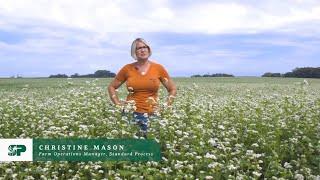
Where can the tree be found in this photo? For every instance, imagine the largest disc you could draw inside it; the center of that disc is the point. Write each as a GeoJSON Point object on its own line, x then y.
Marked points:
{"type": "Point", "coordinates": [104, 73]}
{"type": "Point", "coordinates": [75, 75]}
{"type": "Point", "coordinates": [197, 75]}
{"type": "Point", "coordinates": [58, 76]}
{"type": "Point", "coordinates": [269, 74]}
{"type": "Point", "coordinates": [97, 74]}
{"type": "Point", "coordinates": [214, 75]}
{"type": "Point", "coordinates": [305, 72]}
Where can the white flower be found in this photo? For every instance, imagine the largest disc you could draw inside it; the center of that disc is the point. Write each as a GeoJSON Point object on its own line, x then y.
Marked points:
{"type": "Point", "coordinates": [299, 177]}
{"type": "Point", "coordinates": [82, 126]}
{"type": "Point", "coordinates": [221, 127]}
{"type": "Point", "coordinates": [9, 171]}
{"type": "Point", "coordinates": [178, 166]}
{"type": "Point", "coordinates": [256, 173]}
{"type": "Point", "coordinates": [249, 152]}
{"type": "Point", "coordinates": [200, 126]}
{"type": "Point", "coordinates": [213, 165]}
{"type": "Point", "coordinates": [198, 157]}
{"type": "Point", "coordinates": [212, 142]}
{"type": "Point", "coordinates": [255, 145]}
{"type": "Point", "coordinates": [168, 146]}
{"type": "Point", "coordinates": [232, 167]}
{"type": "Point", "coordinates": [287, 165]}
{"type": "Point", "coordinates": [30, 177]}
{"type": "Point", "coordinates": [179, 133]}
{"type": "Point", "coordinates": [190, 166]}
{"type": "Point", "coordinates": [195, 85]}
{"type": "Point", "coordinates": [166, 170]}
{"type": "Point", "coordinates": [149, 163]}
{"type": "Point", "coordinates": [257, 155]}
{"type": "Point", "coordinates": [210, 156]}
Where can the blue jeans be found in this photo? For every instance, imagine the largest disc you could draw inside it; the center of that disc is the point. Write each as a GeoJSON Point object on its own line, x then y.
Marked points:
{"type": "Point", "coordinates": [141, 119]}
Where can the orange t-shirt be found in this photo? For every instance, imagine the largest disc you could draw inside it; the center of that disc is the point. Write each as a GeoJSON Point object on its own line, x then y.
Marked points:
{"type": "Point", "coordinates": [143, 89]}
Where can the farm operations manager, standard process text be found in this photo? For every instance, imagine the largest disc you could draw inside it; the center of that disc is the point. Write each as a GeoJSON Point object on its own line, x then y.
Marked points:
{"type": "Point", "coordinates": [142, 79]}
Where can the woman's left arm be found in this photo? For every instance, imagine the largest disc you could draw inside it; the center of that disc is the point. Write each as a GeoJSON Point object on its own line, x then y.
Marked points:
{"type": "Point", "coordinates": [171, 88]}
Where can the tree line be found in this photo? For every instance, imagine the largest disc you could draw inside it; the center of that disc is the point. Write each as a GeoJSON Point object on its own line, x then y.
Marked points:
{"type": "Point", "coordinates": [97, 74]}
{"type": "Point", "coordinates": [304, 72]}
{"type": "Point", "coordinates": [214, 75]}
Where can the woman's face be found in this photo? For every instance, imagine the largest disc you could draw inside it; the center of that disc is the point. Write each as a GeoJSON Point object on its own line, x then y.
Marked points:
{"type": "Point", "coordinates": [142, 51]}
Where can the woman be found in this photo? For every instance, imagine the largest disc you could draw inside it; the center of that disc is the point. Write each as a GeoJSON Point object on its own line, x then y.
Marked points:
{"type": "Point", "coordinates": [143, 79]}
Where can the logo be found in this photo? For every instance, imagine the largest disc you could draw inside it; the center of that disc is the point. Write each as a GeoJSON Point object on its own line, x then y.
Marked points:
{"type": "Point", "coordinates": [16, 150]}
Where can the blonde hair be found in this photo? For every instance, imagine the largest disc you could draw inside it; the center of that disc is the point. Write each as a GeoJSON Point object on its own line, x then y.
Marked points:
{"type": "Point", "coordinates": [134, 46]}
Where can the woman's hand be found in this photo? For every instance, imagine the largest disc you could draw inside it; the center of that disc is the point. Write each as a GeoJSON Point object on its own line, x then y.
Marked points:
{"type": "Point", "coordinates": [115, 84]}
{"type": "Point", "coordinates": [171, 88]}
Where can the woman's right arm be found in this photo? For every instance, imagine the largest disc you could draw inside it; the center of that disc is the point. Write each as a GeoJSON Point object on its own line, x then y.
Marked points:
{"type": "Point", "coordinates": [115, 84]}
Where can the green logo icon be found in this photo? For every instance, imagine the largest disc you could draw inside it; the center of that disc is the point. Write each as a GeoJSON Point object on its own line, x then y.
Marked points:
{"type": "Point", "coordinates": [16, 150]}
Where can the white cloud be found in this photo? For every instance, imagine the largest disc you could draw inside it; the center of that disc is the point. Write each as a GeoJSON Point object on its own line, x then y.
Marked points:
{"type": "Point", "coordinates": [154, 16]}
{"type": "Point", "coordinates": [163, 13]}
{"type": "Point", "coordinates": [98, 33]}
{"type": "Point", "coordinates": [211, 17]}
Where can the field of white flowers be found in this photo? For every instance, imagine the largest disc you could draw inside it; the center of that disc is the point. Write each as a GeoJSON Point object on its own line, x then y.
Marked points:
{"type": "Point", "coordinates": [218, 128]}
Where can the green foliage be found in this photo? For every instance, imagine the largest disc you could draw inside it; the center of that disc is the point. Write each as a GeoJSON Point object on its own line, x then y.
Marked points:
{"type": "Point", "coordinates": [269, 74]}
{"type": "Point", "coordinates": [214, 75]}
{"type": "Point", "coordinates": [97, 74]}
{"type": "Point", "coordinates": [304, 72]}
{"type": "Point", "coordinates": [218, 128]}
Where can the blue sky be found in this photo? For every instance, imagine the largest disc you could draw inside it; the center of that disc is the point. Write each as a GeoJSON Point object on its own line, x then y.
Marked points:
{"type": "Point", "coordinates": [244, 38]}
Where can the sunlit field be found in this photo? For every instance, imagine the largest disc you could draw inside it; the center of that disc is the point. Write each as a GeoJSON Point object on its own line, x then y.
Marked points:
{"type": "Point", "coordinates": [218, 128]}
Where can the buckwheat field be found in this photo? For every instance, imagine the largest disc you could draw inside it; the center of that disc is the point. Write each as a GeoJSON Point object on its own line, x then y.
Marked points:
{"type": "Point", "coordinates": [218, 128]}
